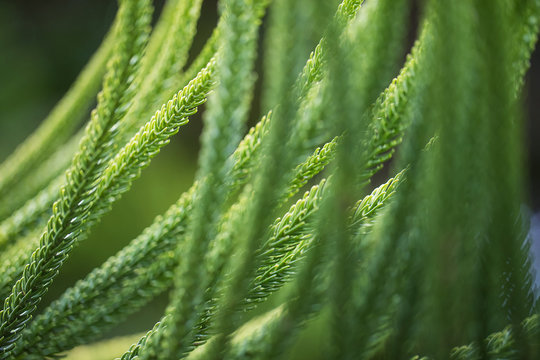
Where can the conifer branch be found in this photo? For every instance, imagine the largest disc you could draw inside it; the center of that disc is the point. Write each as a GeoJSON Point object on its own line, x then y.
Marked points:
{"type": "Point", "coordinates": [66, 224]}
{"type": "Point", "coordinates": [155, 241]}
{"type": "Point", "coordinates": [126, 166]}
{"type": "Point", "coordinates": [292, 235]}
{"type": "Point", "coordinates": [267, 185]}
{"type": "Point", "coordinates": [138, 273]}
{"type": "Point", "coordinates": [164, 65]}
{"type": "Point", "coordinates": [227, 113]}
{"type": "Point", "coordinates": [290, 240]}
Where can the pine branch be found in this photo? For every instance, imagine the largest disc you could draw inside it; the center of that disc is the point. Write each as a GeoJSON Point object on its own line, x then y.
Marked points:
{"type": "Point", "coordinates": [261, 128]}
{"type": "Point", "coordinates": [215, 256]}
{"type": "Point", "coordinates": [388, 124]}
{"type": "Point", "coordinates": [168, 64]}
{"type": "Point", "coordinates": [66, 224]}
{"type": "Point", "coordinates": [313, 70]}
{"type": "Point", "coordinates": [158, 37]}
{"type": "Point", "coordinates": [291, 239]}
{"type": "Point", "coordinates": [209, 49]}
{"type": "Point", "coordinates": [394, 96]}
{"type": "Point", "coordinates": [244, 156]}
{"type": "Point", "coordinates": [222, 247]}
{"type": "Point", "coordinates": [274, 175]}
{"type": "Point", "coordinates": [120, 286]}
{"type": "Point", "coordinates": [128, 163]}
{"type": "Point", "coordinates": [383, 130]}
{"type": "Point", "coordinates": [270, 181]}
{"type": "Point", "coordinates": [123, 283]}
{"type": "Point", "coordinates": [370, 51]}
{"type": "Point", "coordinates": [153, 243]}
{"type": "Point", "coordinates": [293, 236]}
{"type": "Point", "coordinates": [408, 226]}
{"type": "Point", "coordinates": [165, 62]}
{"type": "Point", "coordinates": [227, 113]}
{"type": "Point", "coordinates": [313, 165]}
{"type": "Point", "coordinates": [386, 116]}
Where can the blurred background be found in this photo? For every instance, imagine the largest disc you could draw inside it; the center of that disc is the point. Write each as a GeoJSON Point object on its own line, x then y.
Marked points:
{"type": "Point", "coordinates": [44, 45]}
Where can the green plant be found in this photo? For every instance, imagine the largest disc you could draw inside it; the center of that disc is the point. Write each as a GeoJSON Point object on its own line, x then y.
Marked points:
{"type": "Point", "coordinates": [434, 262]}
